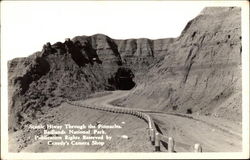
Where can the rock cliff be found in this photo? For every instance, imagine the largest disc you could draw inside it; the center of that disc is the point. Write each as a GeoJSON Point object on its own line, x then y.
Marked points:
{"type": "Point", "coordinates": [201, 70]}
{"type": "Point", "coordinates": [74, 69]}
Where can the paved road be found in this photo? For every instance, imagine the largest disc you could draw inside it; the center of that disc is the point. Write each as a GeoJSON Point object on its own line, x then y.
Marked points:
{"type": "Point", "coordinates": [213, 134]}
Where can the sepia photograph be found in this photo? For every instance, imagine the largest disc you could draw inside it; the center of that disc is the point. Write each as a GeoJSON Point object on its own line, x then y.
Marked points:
{"type": "Point", "coordinates": [104, 78]}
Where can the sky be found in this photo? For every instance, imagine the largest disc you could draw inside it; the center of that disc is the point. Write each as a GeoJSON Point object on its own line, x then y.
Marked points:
{"type": "Point", "coordinates": [26, 26]}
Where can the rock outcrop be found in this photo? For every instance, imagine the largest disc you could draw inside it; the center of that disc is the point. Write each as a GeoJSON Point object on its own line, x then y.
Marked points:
{"type": "Point", "coordinates": [201, 70]}
{"type": "Point", "coordinates": [73, 69]}
{"type": "Point", "coordinates": [198, 72]}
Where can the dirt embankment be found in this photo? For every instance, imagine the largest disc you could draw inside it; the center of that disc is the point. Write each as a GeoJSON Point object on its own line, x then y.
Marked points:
{"type": "Point", "coordinates": [201, 71]}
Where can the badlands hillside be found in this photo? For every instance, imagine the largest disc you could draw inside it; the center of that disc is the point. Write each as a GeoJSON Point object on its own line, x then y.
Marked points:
{"type": "Point", "coordinates": [201, 70]}
{"type": "Point", "coordinates": [198, 72]}
{"type": "Point", "coordinates": [75, 69]}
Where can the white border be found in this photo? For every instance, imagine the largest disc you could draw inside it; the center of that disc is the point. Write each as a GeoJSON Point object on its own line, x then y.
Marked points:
{"type": "Point", "coordinates": [232, 155]}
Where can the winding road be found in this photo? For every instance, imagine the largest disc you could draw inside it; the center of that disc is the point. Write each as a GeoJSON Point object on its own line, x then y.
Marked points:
{"type": "Point", "coordinates": [213, 134]}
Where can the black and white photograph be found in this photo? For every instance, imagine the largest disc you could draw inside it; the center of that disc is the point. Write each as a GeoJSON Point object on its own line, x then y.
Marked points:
{"type": "Point", "coordinates": [98, 78]}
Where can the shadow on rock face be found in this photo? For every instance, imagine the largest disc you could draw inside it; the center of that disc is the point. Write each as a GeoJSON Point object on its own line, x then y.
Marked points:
{"type": "Point", "coordinates": [126, 83]}
{"type": "Point", "coordinates": [123, 79]}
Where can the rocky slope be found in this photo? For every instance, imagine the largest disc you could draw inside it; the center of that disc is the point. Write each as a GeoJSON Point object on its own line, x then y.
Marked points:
{"type": "Point", "coordinates": [74, 69]}
{"type": "Point", "coordinates": [201, 70]}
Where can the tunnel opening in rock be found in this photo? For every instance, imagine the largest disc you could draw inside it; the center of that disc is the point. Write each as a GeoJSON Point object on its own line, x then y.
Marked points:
{"type": "Point", "coordinates": [122, 79]}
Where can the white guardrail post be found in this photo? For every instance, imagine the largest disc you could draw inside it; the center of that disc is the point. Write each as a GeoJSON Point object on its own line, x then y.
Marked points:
{"type": "Point", "coordinates": [152, 136]}
{"type": "Point", "coordinates": [197, 148]}
{"type": "Point", "coordinates": [157, 142]}
{"type": "Point", "coordinates": [170, 144]}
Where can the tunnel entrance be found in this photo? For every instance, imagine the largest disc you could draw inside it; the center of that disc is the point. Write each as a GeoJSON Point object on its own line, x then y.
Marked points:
{"type": "Point", "coordinates": [123, 79]}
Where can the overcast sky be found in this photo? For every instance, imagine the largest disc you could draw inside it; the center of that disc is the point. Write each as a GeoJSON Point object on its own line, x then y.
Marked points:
{"type": "Point", "coordinates": [26, 26]}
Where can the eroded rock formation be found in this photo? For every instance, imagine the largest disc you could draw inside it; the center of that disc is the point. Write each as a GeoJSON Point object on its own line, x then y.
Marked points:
{"type": "Point", "coordinates": [201, 70]}
{"type": "Point", "coordinates": [74, 69]}
{"type": "Point", "coordinates": [198, 72]}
